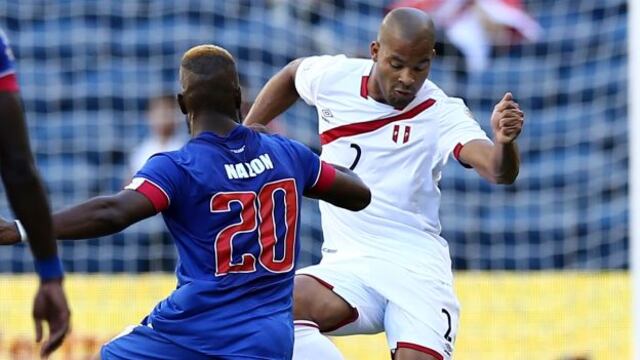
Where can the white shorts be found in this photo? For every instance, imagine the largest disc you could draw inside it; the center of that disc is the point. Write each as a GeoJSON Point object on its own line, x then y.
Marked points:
{"type": "Point", "coordinates": [415, 310]}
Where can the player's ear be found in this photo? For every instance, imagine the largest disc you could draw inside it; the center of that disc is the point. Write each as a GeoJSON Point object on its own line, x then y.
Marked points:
{"type": "Point", "coordinates": [183, 107]}
{"type": "Point", "coordinates": [374, 48]}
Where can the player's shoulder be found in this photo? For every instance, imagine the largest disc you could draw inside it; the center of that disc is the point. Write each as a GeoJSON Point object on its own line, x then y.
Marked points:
{"type": "Point", "coordinates": [6, 57]}
{"type": "Point", "coordinates": [278, 141]}
{"type": "Point", "coordinates": [335, 65]}
{"type": "Point", "coordinates": [443, 101]}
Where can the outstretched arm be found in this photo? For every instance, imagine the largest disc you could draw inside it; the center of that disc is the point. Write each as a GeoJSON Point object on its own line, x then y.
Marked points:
{"type": "Point", "coordinates": [498, 162]}
{"type": "Point", "coordinates": [103, 215]}
{"type": "Point", "coordinates": [276, 96]}
{"type": "Point", "coordinates": [96, 217]}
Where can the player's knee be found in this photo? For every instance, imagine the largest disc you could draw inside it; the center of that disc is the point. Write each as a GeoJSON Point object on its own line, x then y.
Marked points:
{"type": "Point", "coordinates": [314, 302]}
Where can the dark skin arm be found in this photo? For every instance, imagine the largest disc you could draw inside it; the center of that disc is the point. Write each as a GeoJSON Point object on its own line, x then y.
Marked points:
{"type": "Point", "coordinates": [102, 215]}
{"type": "Point", "coordinates": [347, 191]}
{"type": "Point", "coordinates": [276, 96]}
{"type": "Point", "coordinates": [24, 188]}
{"type": "Point", "coordinates": [499, 163]}
{"type": "Point", "coordinates": [99, 216]}
{"type": "Point", "coordinates": [28, 200]}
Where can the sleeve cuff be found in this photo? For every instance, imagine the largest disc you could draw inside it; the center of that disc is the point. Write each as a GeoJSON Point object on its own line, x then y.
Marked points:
{"type": "Point", "coordinates": [9, 82]}
{"type": "Point", "coordinates": [152, 191]}
{"type": "Point", "coordinates": [326, 176]}
{"type": "Point", "coordinates": [456, 154]}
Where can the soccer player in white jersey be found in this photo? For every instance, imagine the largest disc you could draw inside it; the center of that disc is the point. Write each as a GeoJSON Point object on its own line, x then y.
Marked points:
{"type": "Point", "coordinates": [386, 268]}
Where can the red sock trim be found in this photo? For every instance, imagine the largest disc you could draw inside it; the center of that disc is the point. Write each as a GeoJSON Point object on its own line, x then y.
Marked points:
{"type": "Point", "coordinates": [305, 323]}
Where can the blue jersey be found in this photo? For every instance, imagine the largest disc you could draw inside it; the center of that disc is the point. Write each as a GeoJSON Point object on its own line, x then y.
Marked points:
{"type": "Point", "coordinates": [7, 70]}
{"type": "Point", "coordinates": [232, 204]}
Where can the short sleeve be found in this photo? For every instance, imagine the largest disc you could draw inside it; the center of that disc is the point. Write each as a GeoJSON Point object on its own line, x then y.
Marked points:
{"type": "Point", "coordinates": [159, 181]}
{"type": "Point", "coordinates": [457, 127]}
{"type": "Point", "coordinates": [309, 75]}
{"type": "Point", "coordinates": [318, 175]}
{"type": "Point", "coordinates": [8, 81]}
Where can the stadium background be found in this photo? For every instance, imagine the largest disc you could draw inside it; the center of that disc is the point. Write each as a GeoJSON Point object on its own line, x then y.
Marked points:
{"type": "Point", "coordinates": [542, 266]}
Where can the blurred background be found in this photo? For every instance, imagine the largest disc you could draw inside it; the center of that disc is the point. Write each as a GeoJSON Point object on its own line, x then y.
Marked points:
{"type": "Point", "coordinates": [541, 266]}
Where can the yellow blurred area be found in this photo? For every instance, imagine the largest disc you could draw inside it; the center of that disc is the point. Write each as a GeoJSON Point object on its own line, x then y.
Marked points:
{"type": "Point", "coordinates": [541, 315]}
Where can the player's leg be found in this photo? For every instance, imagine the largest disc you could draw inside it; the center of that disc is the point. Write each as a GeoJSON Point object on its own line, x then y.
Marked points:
{"type": "Point", "coordinates": [315, 301]}
{"type": "Point", "coordinates": [332, 298]}
{"type": "Point", "coordinates": [142, 342]}
{"type": "Point", "coordinates": [423, 328]}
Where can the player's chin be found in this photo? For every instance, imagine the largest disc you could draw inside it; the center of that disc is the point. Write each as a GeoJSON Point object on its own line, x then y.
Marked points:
{"type": "Point", "coordinates": [400, 103]}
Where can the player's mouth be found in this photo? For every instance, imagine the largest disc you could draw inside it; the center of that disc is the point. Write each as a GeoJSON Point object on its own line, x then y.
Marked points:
{"type": "Point", "coordinates": [403, 93]}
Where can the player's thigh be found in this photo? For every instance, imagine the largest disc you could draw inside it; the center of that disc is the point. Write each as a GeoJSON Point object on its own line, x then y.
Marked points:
{"type": "Point", "coordinates": [419, 327]}
{"type": "Point", "coordinates": [335, 296]}
{"type": "Point", "coordinates": [142, 342]}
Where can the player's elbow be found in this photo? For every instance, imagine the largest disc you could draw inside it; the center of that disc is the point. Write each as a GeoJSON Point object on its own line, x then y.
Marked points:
{"type": "Point", "coordinates": [361, 199]}
{"type": "Point", "coordinates": [507, 179]}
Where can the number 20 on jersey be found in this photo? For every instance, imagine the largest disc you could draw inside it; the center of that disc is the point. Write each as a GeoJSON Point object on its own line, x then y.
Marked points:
{"type": "Point", "coordinates": [258, 211]}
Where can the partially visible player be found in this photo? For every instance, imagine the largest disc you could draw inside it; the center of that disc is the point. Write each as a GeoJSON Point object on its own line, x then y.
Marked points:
{"type": "Point", "coordinates": [29, 202]}
{"type": "Point", "coordinates": [231, 200]}
{"type": "Point", "coordinates": [387, 268]}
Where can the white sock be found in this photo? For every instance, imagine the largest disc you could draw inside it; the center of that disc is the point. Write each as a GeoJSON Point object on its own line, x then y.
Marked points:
{"type": "Point", "coordinates": [310, 344]}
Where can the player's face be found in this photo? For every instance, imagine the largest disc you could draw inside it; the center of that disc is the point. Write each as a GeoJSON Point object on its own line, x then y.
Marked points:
{"type": "Point", "coordinates": [401, 69]}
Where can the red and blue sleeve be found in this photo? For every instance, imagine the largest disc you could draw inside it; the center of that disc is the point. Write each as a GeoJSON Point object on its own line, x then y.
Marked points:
{"type": "Point", "coordinates": [8, 80]}
{"type": "Point", "coordinates": [318, 175]}
{"type": "Point", "coordinates": [158, 181]}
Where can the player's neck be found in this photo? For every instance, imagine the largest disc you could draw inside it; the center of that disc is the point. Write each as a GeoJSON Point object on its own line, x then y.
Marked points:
{"type": "Point", "coordinates": [372, 87]}
{"type": "Point", "coordinates": [213, 121]}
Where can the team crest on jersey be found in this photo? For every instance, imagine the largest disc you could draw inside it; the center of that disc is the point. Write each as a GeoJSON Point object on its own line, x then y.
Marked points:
{"type": "Point", "coordinates": [401, 134]}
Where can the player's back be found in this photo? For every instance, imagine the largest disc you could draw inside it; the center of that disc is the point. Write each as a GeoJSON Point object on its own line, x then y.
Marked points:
{"type": "Point", "coordinates": [232, 206]}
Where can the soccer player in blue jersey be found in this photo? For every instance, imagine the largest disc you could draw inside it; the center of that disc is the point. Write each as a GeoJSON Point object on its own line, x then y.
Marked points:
{"type": "Point", "coordinates": [231, 200]}
{"type": "Point", "coordinates": [29, 202]}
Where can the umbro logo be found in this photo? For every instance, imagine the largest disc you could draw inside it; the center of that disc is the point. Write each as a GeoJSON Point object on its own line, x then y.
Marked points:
{"type": "Point", "coordinates": [326, 113]}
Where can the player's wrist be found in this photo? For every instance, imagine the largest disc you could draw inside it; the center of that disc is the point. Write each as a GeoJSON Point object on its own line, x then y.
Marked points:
{"type": "Point", "coordinates": [49, 269]}
{"type": "Point", "coordinates": [22, 233]}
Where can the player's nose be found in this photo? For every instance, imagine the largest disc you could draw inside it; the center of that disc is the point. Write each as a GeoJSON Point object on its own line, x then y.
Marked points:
{"type": "Point", "coordinates": [406, 78]}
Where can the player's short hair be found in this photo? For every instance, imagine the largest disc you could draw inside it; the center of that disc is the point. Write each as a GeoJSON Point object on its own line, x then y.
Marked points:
{"type": "Point", "coordinates": [209, 78]}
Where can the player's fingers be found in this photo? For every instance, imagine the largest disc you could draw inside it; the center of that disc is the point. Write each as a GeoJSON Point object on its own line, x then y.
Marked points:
{"type": "Point", "coordinates": [58, 332]}
{"type": "Point", "coordinates": [503, 106]}
{"type": "Point", "coordinates": [38, 323]}
{"type": "Point", "coordinates": [511, 121]}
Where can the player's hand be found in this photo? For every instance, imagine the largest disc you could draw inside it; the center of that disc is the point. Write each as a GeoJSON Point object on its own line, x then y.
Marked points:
{"type": "Point", "coordinates": [50, 306]}
{"type": "Point", "coordinates": [9, 234]}
{"type": "Point", "coordinates": [507, 120]}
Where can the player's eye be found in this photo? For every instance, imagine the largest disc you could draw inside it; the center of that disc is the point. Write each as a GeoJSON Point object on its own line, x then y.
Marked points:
{"type": "Point", "coordinates": [395, 65]}
{"type": "Point", "coordinates": [422, 67]}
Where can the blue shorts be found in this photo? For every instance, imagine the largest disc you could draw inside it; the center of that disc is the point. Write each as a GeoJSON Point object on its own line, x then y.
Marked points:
{"type": "Point", "coordinates": [142, 342]}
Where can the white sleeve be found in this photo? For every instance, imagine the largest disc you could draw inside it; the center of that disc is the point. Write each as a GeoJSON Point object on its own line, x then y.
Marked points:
{"type": "Point", "coordinates": [457, 127]}
{"type": "Point", "coordinates": [310, 73]}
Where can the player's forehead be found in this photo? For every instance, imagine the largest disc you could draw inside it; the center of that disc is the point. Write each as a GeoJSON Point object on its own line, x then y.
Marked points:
{"type": "Point", "coordinates": [418, 49]}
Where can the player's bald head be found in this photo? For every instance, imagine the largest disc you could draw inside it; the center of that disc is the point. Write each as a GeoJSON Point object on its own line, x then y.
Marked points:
{"type": "Point", "coordinates": [403, 54]}
{"type": "Point", "coordinates": [408, 24]}
{"type": "Point", "coordinates": [209, 79]}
